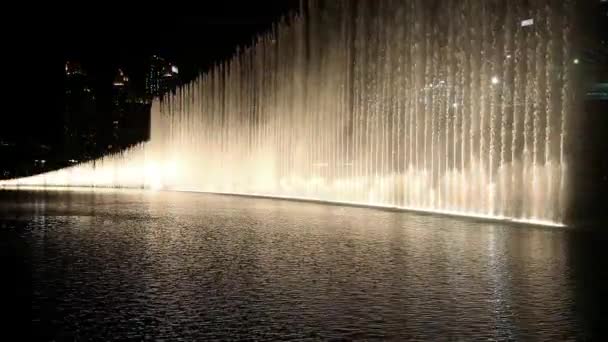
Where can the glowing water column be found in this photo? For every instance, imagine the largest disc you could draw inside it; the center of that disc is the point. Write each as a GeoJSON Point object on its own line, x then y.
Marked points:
{"type": "Point", "coordinates": [462, 108]}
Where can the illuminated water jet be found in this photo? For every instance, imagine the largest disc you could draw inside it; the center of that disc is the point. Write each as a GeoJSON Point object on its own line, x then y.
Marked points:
{"type": "Point", "coordinates": [456, 109]}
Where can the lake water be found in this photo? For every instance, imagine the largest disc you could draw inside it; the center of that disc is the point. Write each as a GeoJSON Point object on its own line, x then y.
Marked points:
{"type": "Point", "coordinates": [116, 265]}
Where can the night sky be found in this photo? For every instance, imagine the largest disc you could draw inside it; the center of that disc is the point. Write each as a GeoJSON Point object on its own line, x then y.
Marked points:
{"type": "Point", "coordinates": [37, 44]}
{"type": "Point", "coordinates": [103, 39]}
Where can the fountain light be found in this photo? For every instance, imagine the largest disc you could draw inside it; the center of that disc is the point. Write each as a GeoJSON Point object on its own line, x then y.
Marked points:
{"type": "Point", "coordinates": [273, 121]}
{"type": "Point", "coordinates": [527, 22]}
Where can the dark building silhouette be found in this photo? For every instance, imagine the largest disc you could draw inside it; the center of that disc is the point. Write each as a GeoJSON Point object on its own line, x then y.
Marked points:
{"type": "Point", "coordinates": [590, 163]}
{"type": "Point", "coordinates": [79, 115]}
{"type": "Point", "coordinates": [129, 119]}
{"type": "Point", "coordinates": [120, 107]}
{"type": "Point", "coordinates": [162, 76]}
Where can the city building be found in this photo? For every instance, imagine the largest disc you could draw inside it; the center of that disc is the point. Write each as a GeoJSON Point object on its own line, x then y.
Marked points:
{"type": "Point", "coordinates": [74, 69]}
{"type": "Point", "coordinates": [120, 106]}
{"type": "Point", "coordinates": [79, 114]}
{"type": "Point", "coordinates": [127, 123]}
{"type": "Point", "coordinates": [162, 76]}
{"type": "Point", "coordinates": [120, 88]}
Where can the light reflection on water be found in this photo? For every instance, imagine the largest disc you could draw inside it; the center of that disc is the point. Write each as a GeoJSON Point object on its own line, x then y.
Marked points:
{"type": "Point", "coordinates": [130, 264]}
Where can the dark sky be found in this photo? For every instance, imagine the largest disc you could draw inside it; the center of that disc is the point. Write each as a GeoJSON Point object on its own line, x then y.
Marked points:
{"type": "Point", "coordinates": [103, 39]}
{"type": "Point", "coordinates": [36, 44]}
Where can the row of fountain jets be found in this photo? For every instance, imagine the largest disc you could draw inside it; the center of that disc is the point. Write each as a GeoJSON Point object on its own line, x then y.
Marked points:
{"type": "Point", "coordinates": [460, 108]}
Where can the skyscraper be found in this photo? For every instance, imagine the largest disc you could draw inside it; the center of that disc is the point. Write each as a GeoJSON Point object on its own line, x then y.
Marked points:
{"type": "Point", "coordinates": [79, 113]}
{"type": "Point", "coordinates": [162, 76]}
{"type": "Point", "coordinates": [129, 114]}
{"type": "Point", "coordinates": [120, 108]}
{"type": "Point", "coordinates": [120, 88]}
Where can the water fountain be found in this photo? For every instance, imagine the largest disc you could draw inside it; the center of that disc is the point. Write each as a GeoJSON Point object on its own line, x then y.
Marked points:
{"type": "Point", "coordinates": [460, 107]}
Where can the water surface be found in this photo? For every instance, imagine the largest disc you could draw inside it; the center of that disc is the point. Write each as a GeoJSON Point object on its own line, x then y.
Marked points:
{"type": "Point", "coordinates": [113, 265]}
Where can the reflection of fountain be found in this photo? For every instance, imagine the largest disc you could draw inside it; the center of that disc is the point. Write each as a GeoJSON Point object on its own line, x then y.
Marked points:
{"type": "Point", "coordinates": [458, 109]}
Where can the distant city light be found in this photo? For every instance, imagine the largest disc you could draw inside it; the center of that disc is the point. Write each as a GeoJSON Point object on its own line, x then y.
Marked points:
{"type": "Point", "coordinates": [455, 105]}
{"type": "Point", "coordinates": [576, 61]}
{"type": "Point", "coordinates": [174, 69]}
{"type": "Point", "coordinates": [495, 80]}
{"type": "Point", "coordinates": [527, 22]}
{"type": "Point", "coordinates": [509, 56]}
